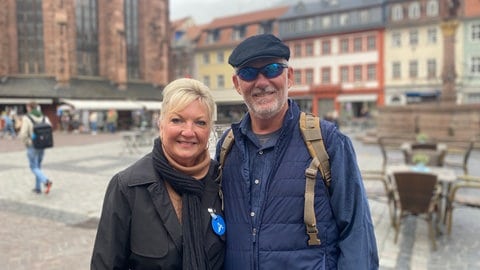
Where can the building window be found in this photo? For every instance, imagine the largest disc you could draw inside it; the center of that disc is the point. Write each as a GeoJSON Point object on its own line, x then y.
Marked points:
{"type": "Point", "coordinates": [413, 37]}
{"type": "Point", "coordinates": [206, 58]}
{"type": "Point", "coordinates": [344, 74]}
{"type": "Point", "coordinates": [213, 36]}
{"type": "Point", "coordinates": [30, 37]}
{"type": "Point", "coordinates": [297, 48]}
{"type": "Point", "coordinates": [326, 21]}
{"type": "Point", "coordinates": [220, 81]}
{"type": "Point", "coordinates": [297, 75]}
{"type": "Point", "coordinates": [414, 10]}
{"type": "Point", "coordinates": [432, 8]}
{"type": "Point", "coordinates": [220, 57]}
{"type": "Point", "coordinates": [326, 75]}
{"type": "Point", "coordinates": [396, 70]}
{"type": "Point", "coordinates": [308, 22]}
{"type": "Point", "coordinates": [326, 47]}
{"type": "Point", "coordinates": [396, 39]}
{"type": "Point", "coordinates": [475, 32]}
{"type": "Point", "coordinates": [344, 45]}
{"type": "Point", "coordinates": [475, 65]}
{"type": "Point", "coordinates": [413, 69]}
{"type": "Point", "coordinates": [206, 80]}
{"type": "Point", "coordinates": [432, 35]}
{"type": "Point", "coordinates": [87, 38]}
{"type": "Point", "coordinates": [344, 19]}
{"type": "Point", "coordinates": [265, 28]}
{"type": "Point", "coordinates": [371, 43]}
{"type": "Point", "coordinates": [131, 36]}
{"type": "Point", "coordinates": [431, 68]}
{"type": "Point", "coordinates": [357, 73]}
{"type": "Point", "coordinates": [371, 72]}
{"type": "Point", "coordinates": [309, 76]}
{"type": "Point", "coordinates": [364, 16]}
{"type": "Point", "coordinates": [309, 49]}
{"type": "Point", "coordinates": [239, 32]}
{"type": "Point", "coordinates": [397, 12]}
{"type": "Point", "coordinates": [357, 44]}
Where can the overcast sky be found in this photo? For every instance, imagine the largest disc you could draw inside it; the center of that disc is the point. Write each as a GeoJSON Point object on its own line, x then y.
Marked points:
{"type": "Point", "coordinates": [204, 11]}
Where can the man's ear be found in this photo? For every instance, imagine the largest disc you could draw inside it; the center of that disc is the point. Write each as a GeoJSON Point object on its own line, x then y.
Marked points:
{"type": "Point", "coordinates": [235, 83]}
{"type": "Point", "coordinates": [290, 78]}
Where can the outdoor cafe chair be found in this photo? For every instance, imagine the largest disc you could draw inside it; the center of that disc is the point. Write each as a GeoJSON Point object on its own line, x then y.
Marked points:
{"type": "Point", "coordinates": [391, 154]}
{"type": "Point", "coordinates": [460, 156]}
{"type": "Point", "coordinates": [418, 194]}
{"type": "Point", "coordinates": [432, 150]}
{"type": "Point", "coordinates": [464, 192]}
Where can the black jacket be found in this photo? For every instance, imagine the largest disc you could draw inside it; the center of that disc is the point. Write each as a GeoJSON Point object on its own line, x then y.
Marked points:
{"type": "Point", "coordinates": [138, 227]}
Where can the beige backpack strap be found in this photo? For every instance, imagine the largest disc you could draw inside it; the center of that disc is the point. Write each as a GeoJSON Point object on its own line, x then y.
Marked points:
{"type": "Point", "coordinates": [312, 135]}
{"type": "Point", "coordinates": [225, 148]}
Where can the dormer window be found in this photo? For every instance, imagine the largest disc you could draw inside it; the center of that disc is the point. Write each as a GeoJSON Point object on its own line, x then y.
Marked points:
{"type": "Point", "coordinates": [414, 10]}
{"type": "Point", "coordinates": [397, 13]}
{"type": "Point", "coordinates": [432, 8]}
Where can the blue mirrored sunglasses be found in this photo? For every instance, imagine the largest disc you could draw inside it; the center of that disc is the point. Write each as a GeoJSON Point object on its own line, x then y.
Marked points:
{"type": "Point", "coordinates": [270, 71]}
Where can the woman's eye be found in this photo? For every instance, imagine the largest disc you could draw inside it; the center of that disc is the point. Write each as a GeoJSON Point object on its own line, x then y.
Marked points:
{"type": "Point", "coordinates": [176, 120]}
{"type": "Point", "coordinates": [201, 123]}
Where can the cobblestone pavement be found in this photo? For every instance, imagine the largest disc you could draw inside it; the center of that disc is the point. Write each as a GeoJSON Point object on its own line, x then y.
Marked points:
{"type": "Point", "coordinates": [57, 231]}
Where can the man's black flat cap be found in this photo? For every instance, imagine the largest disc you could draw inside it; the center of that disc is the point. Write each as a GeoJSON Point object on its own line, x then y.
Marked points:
{"type": "Point", "coordinates": [256, 47]}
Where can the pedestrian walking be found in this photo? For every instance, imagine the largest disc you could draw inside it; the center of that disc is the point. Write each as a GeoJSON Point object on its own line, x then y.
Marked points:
{"type": "Point", "coordinates": [8, 125]}
{"type": "Point", "coordinates": [35, 156]}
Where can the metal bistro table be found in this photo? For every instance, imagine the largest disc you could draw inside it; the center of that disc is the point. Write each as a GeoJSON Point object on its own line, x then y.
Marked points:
{"type": "Point", "coordinates": [446, 177]}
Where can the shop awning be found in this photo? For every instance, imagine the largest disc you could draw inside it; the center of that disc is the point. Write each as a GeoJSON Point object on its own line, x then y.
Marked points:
{"type": "Point", "coordinates": [423, 93]}
{"type": "Point", "coordinates": [151, 105]}
{"type": "Point", "coordinates": [227, 96]}
{"type": "Point", "coordinates": [126, 105]}
{"type": "Point", "coordinates": [25, 100]}
{"type": "Point", "coordinates": [357, 97]}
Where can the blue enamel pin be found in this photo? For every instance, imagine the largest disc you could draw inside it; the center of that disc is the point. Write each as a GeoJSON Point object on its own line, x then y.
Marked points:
{"type": "Point", "coordinates": [218, 224]}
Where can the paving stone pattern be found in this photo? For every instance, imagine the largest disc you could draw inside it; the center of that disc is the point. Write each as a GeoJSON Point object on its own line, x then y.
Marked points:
{"type": "Point", "coordinates": [57, 231]}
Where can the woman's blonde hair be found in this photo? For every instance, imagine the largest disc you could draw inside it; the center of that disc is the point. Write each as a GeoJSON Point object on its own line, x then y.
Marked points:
{"type": "Point", "coordinates": [178, 94]}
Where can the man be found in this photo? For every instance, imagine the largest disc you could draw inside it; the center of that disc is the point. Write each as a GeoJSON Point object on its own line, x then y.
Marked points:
{"type": "Point", "coordinates": [264, 177]}
{"type": "Point", "coordinates": [35, 156]}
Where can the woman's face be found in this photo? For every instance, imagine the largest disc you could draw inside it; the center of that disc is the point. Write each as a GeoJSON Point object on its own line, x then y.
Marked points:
{"type": "Point", "coordinates": [185, 134]}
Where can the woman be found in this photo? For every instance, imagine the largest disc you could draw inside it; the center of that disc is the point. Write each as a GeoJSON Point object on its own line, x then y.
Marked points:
{"type": "Point", "coordinates": [163, 212]}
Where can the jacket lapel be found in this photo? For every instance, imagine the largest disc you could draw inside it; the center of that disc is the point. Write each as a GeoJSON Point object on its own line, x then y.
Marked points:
{"type": "Point", "coordinates": [164, 208]}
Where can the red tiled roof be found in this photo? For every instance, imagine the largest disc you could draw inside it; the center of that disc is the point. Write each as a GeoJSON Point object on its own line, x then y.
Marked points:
{"type": "Point", "coordinates": [250, 17]}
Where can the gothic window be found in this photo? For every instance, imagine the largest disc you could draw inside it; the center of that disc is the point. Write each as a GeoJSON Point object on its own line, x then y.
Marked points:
{"type": "Point", "coordinates": [131, 36]}
{"type": "Point", "coordinates": [87, 37]}
{"type": "Point", "coordinates": [30, 37]}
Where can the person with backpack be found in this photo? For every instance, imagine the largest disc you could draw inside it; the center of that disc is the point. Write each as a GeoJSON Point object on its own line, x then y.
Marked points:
{"type": "Point", "coordinates": [36, 147]}
{"type": "Point", "coordinates": [285, 209]}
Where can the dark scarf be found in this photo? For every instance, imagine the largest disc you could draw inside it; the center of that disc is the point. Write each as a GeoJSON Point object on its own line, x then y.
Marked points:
{"type": "Point", "coordinates": [191, 190]}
